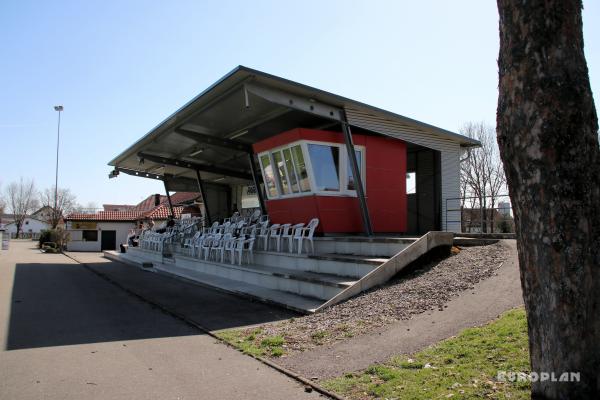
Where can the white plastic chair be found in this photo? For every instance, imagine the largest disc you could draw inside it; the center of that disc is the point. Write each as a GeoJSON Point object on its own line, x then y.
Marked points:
{"type": "Point", "coordinates": [197, 245]}
{"type": "Point", "coordinates": [236, 247]}
{"type": "Point", "coordinates": [239, 247]}
{"type": "Point", "coordinates": [255, 216]}
{"type": "Point", "coordinates": [207, 244]}
{"type": "Point", "coordinates": [248, 248]}
{"type": "Point", "coordinates": [275, 234]}
{"type": "Point", "coordinates": [238, 226]}
{"type": "Point", "coordinates": [218, 247]}
{"type": "Point", "coordinates": [251, 231]}
{"type": "Point", "coordinates": [188, 244]}
{"type": "Point", "coordinates": [214, 228]}
{"type": "Point", "coordinates": [307, 233]}
{"type": "Point", "coordinates": [289, 236]}
{"type": "Point", "coordinates": [263, 235]}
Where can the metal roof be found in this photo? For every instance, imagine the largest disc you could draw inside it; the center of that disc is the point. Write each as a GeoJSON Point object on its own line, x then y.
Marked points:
{"type": "Point", "coordinates": [244, 106]}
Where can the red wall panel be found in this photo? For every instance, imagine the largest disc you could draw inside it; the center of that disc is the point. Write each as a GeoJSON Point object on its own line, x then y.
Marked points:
{"type": "Point", "coordinates": [385, 182]}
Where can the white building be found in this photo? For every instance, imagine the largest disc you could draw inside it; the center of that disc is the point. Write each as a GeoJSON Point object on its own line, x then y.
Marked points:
{"type": "Point", "coordinates": [99, 232]}
{"type": "Point", "coordinates": [31, 227]}
{"type": "Point", "coordinates": [106, 230]}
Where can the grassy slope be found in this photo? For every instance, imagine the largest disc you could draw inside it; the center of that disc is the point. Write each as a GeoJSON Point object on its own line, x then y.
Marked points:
{"type": "Point", "coordinates": [254, 342]}
{"type": "Point", "coordinates": [459, 368]}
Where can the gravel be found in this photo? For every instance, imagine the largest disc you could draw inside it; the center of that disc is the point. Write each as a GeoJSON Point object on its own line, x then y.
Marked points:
{"type": "Point", "coordinates": [427, 288]}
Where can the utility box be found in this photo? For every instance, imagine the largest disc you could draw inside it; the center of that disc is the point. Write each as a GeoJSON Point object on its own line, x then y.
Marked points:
{"type": "Point", "coordinates": [4, 239]}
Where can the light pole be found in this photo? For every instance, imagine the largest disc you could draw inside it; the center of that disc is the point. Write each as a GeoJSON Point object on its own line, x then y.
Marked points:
{"type": "Point", "coordinates": [59, 109]}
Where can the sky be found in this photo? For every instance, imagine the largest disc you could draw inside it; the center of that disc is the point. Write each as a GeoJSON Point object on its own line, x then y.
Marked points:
{"type": "Point", "coordinates": [120, 67]}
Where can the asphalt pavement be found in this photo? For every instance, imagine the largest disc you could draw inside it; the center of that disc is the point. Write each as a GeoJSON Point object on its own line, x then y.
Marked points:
{"type": "Point", "coordinates": [67, 333]}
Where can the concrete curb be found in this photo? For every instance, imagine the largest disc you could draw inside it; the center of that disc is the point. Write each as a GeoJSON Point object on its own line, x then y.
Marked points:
{"type": "Point", "coordinates": [183, 318]}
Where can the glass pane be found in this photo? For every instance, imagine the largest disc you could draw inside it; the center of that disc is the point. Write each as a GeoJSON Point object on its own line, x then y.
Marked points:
{"type": "Point", "coordinates": [325, 164]}
{"type": "Point", "coordinates": [287, 156]}
{"type": "Point", "coordinates": [411, 183]}
{"type": "Point", "coordinates": [283, 179]}
{"type": "Point", "coordinates": [351, 175]}
{"type": "Point", "coordinates": [301, 168]}
{"type": "Point", "coordinates": [268, 175]}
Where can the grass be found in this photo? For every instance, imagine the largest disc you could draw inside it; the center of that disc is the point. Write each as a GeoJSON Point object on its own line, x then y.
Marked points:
{"type": "Point", "coordinates": [252, 342]}
{"type": "Point", "coordinates": [462, 367]}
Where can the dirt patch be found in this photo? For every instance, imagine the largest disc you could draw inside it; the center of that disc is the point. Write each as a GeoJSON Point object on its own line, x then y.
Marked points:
{"type": "Point", "coordinates": [427, 288]}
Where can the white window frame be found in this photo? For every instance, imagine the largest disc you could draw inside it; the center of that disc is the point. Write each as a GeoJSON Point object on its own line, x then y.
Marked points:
{"type": "Point", "coordinates": [343, 169]}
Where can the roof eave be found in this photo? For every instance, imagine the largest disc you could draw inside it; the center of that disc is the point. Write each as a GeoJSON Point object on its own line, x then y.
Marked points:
{"type": "Point", "coordinates": [464, 141]}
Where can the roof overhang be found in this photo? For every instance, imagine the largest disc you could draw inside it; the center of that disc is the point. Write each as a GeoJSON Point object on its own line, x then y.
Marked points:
{"type": "Point", "coordinates": [213, 132]}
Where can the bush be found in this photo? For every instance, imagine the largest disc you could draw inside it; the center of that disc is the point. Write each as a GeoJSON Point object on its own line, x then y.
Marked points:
{"type": "Point", "coordinates": [57, 236]}
{"type": "Point", "coordinates": [45, 236]}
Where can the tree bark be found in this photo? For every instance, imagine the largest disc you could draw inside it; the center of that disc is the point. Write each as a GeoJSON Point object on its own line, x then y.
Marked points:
{"type": "Point", "coordinates": [547, 132]}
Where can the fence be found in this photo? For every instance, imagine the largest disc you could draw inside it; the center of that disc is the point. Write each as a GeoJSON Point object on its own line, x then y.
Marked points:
{"type": "Point", "coordinates": [25, 235]}
{"type": "Point", "coordinates": [485, 214]}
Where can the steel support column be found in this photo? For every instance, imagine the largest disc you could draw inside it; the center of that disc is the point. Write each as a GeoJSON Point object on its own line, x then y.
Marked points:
{"type": "Point", "coordinates": [204, 198]}
{"type": "Point", "coordinates": [255, 175]}
{"type": "Point", "coordinates": [169, 199]}
{"type": "Point", "coordinates": [358, 182]}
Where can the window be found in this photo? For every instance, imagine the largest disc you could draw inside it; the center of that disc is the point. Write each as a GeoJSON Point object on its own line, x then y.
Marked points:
{"type": "Point", "coordinates": [411, 183]}
{"type": "Point", "coordinates": [90, 236]}
{"type": "Point", "coordinates": [300, 165]}
{"type": "Point", "coordinates": [269, 176]}
{"type": "Point", "coordinates": [351, 185]}
{"type": "Point", "coordinates": [284, 183]}
{"type": "Point", "coordinates": [326, 166]}
{"type": "Point", "coordinates": [289, 165]}
{"type": "Point", "coordinates": [309, 167]}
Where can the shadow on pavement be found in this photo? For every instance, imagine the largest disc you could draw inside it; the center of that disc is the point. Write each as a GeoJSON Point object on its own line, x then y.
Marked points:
{"type": "Point", "coordinates": [56, 304]}
{"type": "Point", "coordinates": [211, 308]}
{"type": "Point", "coordinates": [63, 304]}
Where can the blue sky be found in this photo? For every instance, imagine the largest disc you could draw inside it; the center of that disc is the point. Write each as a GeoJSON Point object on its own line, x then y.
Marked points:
{"type": "Point", "coordinates": [120, 67]}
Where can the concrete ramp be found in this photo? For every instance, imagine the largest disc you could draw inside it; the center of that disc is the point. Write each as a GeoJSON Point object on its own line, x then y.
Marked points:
{"type": "Point", "coordinates": [388, 269]}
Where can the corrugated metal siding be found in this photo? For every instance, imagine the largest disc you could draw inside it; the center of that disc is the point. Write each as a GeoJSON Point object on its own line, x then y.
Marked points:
{"type": "Point", "coordinates": [450, 152]}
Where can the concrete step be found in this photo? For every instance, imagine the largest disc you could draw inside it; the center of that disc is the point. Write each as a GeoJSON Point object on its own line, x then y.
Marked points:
{"type": "Point", "coordinates": [302, 282]}
{"type": "Point", "coordinates": [321, 265]}
{"type": "Point", "coordinates": [352, 258]}
{"type": "Point", "coordinates": [292, 301]}
{"type": "Point", "coordinates": [315, 285]}
{"type": "Point", "coordinates": [368, 246]}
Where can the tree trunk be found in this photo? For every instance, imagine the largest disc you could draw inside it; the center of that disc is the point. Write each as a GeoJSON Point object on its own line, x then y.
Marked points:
{"type": "Point", "coordinates": [547, 127]}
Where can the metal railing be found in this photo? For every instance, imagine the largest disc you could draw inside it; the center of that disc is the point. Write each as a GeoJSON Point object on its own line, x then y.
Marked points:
{"type": "Point", "coordinates": [485, 214]}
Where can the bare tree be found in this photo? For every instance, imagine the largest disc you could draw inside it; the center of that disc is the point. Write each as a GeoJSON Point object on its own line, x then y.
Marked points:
{"type": "Point", "coordinates": [547, 132]}
{"type": "Point", "coordinates": [482, 175]}
{"type": "Point", "coordinates": [2, 203]}
{"type": "Point", "coordinates": [65, 204]}
{"type": "Point", "coordinates": [20, 197]}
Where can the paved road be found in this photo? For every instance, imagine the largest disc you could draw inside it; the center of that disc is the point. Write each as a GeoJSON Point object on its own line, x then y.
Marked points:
{"type": "Point", "coordinates": [68, 334]}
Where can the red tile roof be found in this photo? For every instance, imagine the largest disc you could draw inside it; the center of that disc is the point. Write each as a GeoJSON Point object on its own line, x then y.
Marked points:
{"type": "Point", "coordinates": [106, 216]}
{"type": "Point", "coordinates": [149, 202]}
{"type": "Point", "coordinates": [117, 207]}
{"type": "Point", "coordinates": [145, 209]}
{"type": "Point", "coordinates": [183, 197]}
{"type": "Point", "coordinates": [160, 212]}
{"type": "Point", "coordinates": [163, 212]}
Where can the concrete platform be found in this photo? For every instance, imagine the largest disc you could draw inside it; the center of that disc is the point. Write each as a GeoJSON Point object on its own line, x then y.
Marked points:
{"type": "Point", "coordinates": [304, 283]}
